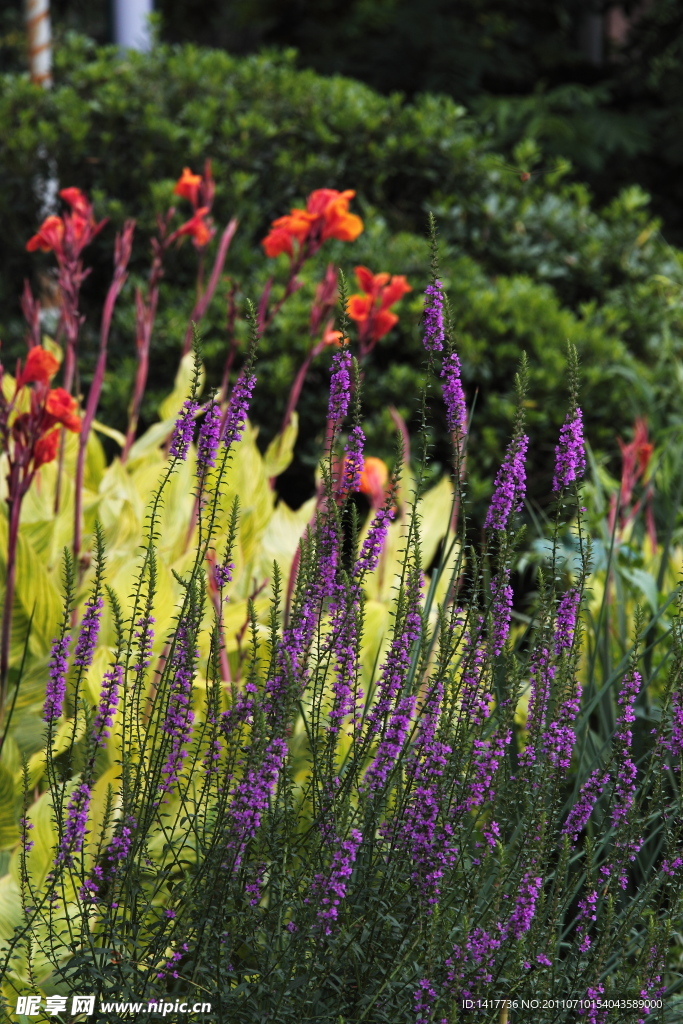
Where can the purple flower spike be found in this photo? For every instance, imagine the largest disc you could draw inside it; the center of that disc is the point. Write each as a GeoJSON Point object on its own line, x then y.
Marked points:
{"type": "Point", "coordinates": [240, 399]}
{"type": "Point", "coordinates": [109, 698]}
{"type": "Point", "coordinates": [333, 887]}
{"type": "Point", "coordinates": [374, 542]}
{"type": "Point", "coordinates": [501, 610]}
{"type": "Point", "coordinates": [454, 396]}
{"type": "Point", "coordinates": [570, 453]}
{"type": "Point", "coordinates": [145, 637]}
{"type": "Point", "coordinates": [353, 461]}
{"type": "Point", "coordinates": [509, 485]}
{"type": "Point", "coordinates": [433, 318]}
{"type": "Point", "coordinates": [251, 795]}
{"type": "Point", "coordinates": [423, 999]}
{"type": "Point", "coordinates": [90, 628]}
{"type": "Point", "coordinates": [179, 714]}
{"type": "Point", "coordinates": [209, 436]}
{"type": "Point", "coordinates": [525, 907]}
{"type": "Point", "coordinates": [75, 825]}
{"type": "Point", "coordinates": [183, 430]}
{"type": "Point", "coordinates": [55, 691]}
{"type": "Point", "coordinates": [340, 388]}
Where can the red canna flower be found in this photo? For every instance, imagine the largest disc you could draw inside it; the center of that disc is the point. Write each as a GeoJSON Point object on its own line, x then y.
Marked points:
{"type": "Point", "coordinates": [40, 368]}
{"type": "Point", "coordinates": [78, 202]}
{"type": "Point", "coordinates": [60, 407]}
{"type": "Point", "coordinates": [48, 237]}
{"type": "Point", "coordinates": [371, 309]}
{"type": "Point", "coordinates": [326, 216]}
{"type": "Point", "coordinates": [188, 186]}
{"type": "Point", "coordinates": [45, 449]}
{"type": "Point", "coordinates": [197, 228]}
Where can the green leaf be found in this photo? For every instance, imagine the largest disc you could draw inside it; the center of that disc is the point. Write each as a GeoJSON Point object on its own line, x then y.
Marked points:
{"type": "Point", "coordinates": [9, 829]}
{"type": "Point", "coordinates": [280, 451]}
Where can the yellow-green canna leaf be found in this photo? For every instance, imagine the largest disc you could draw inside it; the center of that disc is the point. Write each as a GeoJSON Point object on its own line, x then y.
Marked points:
{"type": "Point", "coordinates": [35, 593]}
{"type": "Point", "coordinates": [9, 828]}
{"type": "Point", "coordinates": [114, 435]}
{"type": "Point", "coordinates": [171, 405]}
{"type": "Point", "coordinates": [280, 451]}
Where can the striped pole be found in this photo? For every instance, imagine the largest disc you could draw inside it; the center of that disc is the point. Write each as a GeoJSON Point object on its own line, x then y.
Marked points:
{"type": "Point", "coordinates": [39, 41]}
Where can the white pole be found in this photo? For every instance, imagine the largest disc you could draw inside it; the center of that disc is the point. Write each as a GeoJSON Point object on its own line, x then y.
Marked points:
{"type": "Point", "coordinates": [39, 41]}
{"type": "Point", "coordinates": [131, 24]}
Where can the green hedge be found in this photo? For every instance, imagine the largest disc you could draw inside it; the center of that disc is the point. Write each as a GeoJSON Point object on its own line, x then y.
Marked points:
{"type": "Point", "coordinates": [528, 259]}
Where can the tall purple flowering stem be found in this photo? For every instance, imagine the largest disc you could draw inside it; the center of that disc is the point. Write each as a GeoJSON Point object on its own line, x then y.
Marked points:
{"type": "Point", "coordinates": [570, 453]}
{"type": "Point", "coordinates": [89, 632]}
{"type": "Point", "coordinates": [509, 486]}
{"type": "Point", "coordinates": [433, 318]}
{"type": "Point", "coordinates": [236, 415]}
{"type": "Point", "coordinates": [250, 797]}
{"type": "Point", "coordinates": [454, 396]}
{"type": "Point", "coordinates": [340, 389]}
{"type": "Point", "coordinates": [179, 713]}
{"type": "Point", "coordinates": [331, 888]}
{"type": "Point", "coordinates": [183, 431]}
{"type": "Point", "coordinates": [209, 436]}
{"type": "Point", "coordinates": [55, 691]}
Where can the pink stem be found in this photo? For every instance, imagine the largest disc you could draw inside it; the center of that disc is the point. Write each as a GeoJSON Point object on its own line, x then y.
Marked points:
{"type": "Point", "coordinates": [122, 251]}
{"type": "Point", "coordinates": [202, 303]}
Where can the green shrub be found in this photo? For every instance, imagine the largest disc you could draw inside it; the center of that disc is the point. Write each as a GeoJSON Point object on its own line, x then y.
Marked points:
{"type": "Point", "coordinates": [528, 259]}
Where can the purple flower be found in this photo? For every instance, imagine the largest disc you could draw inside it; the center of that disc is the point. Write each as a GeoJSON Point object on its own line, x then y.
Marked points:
{"type": "Point", "coordinates": [240, 399]}
{"type": "Point", "coordinates": [501, 610]}
{"type": "Point", "coordinates": [542, 675]}
{"type": "Point", "coordinates": [475, 696]}
{"type": "Point", "coordinates": [373, 544]}
{"type": "Point", "coordinates": [509, 485]}
{"type": "Point", "coordinates": [525, 906]}
{"type": "Point", "coordinates": [109, 698]}
{"type": "Point", "coordinates": [625, 782]}
{"type": "Point", "coordinates": [479, 951]}
{"type": "Point", "coordinates": [487, 757]}
{"type": "Point", "coordinates": [331, 888]}
{"type": "Point", "coordinates": [353, 461]}
{"type": "Point", "coordinates": [570, 454]}
{"type": "Point", "coordinates": [340, 388]}
{"type": "Point", "coordinates": [179, 713]}
{"type": "Point", "coordinates": [75, 825]}
{"type": "Point", "coordinates": [89, 631]}
{"type": "Point", "coordinates": [145, 637]}
{"type": "Point", "coordinates": [222, 574]}
{"type": "Point", "coordinates": [183, 430]}
{"type": "Point", "coordinates": [55, 691]}
{"type": "Point", "coordinates": [344, 642]}
{"type": "Point", "coordinates": [454, 396]}
{"type": "Point", "coordinates": [590, 793]}
{"type": "Point", "coordinates": [207, 443]}
{"type": "Point", "coordinates": [433, 318]}
{"type": "Point", "coordinates": [251, 795]}
{"type": "Point", "coordinates": [423, 999]}
{"type": "Point", "coordinates": [566, 621]}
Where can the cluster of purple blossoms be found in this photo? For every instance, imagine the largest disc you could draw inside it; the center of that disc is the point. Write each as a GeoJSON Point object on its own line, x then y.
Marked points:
{"type": "Point", "coordinates": [479, 951]}
{"type": "Point", "coordinates": [145, 637]}
{"type": "Point", "coordinates": [594, 995]}
{"type": "Point", "coordinates": [430, 842]}
{"type": "Point", "coordinates": [625, 782]}
{"type": "Point", "coordinates": [169, 970]}
{"type": "Point", "coordinates": [509, 486]}
{"type": "Point", "coordinates": [454, 396]}
{"type": "Point", "coordinates": [434, 334]}
{"type": "Point", "coordinates": [591, 791]}
{"type": "Point", "coordinates": [55, 691]}
{"type": "Point", "coordinates": [250, 797]}
{"type": "Point", "coordinates": [524, 910]}
{"type": "Point", "coordinates": [109, 698]}
{"type": "Point", "coordinates": [89, 632]}
{"type": "Point", "coordinates": [25, 825]}
{"type": "Point", "coordinates": [240, 400]}
{"type": "Point", "coordinates": [75, 825]}
{"type": "Point", "coordinates": [423, 1000]}
{"type": "Point", "coordinates": [222, 574]}
{"type": "Point", "coordinates": [183, 431]}
{"type": "Point", "coordinates": [570, 453]}
{"type": "Point", "coordinates": [290, 663]}
{"type": "Point", "coordinates": [487, 757]}
{"type": "Point", "coordinates": [179, 713]}
{"type": "Point", "coordinates": [331, 888]}
{"type": "Point", "coordinates": [475, 696]}
{"type": "Point", "coordinates": [207, 442]}
{"type": "Point", "coordinates": [501, 610]}
{"type": "Point", "coordinates": [587, 913]}
{"type": "Point", "coordinates": [565, 624]}
{"type": "Point", "coordinates": [344, 636]}
{"type": "Point", "coordinates": [340, 388]}
{"type": "Point", "coordinates": [542, 675]}
{"type": "Point", "coordinates": [353, 461]}
{"type": "Point", "coordinates": [373, 544]}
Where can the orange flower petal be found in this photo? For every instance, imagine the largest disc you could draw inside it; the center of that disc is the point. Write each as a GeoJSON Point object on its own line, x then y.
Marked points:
{"type": "Point", "coordinates": [187, 186]}
{"type": "Point", "coordinates": [45, 449]}
{"type": "Point", "coordinates": [359, 307]}
{"type": "Point", "coordinates": [382, 322]}
{"type": "Point", "coordinates": [49, 236]}
{"type": "Point", "coordinates": [395, 290]}
{"type": "Point", "coordinates": [60, 407]}
{"type": "Point", "coordinates": [40, 367]}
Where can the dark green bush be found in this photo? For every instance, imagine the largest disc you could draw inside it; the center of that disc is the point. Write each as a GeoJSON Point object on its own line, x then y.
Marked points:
{"type": "Point", "coordinates": [528, 259]}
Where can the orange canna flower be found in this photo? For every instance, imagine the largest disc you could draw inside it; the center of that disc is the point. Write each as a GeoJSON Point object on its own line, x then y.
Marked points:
{"type": "Point", "coordinates": [197, 227]}
{"type": "Point", "coordinates": [373, 479]}
{"type": "Point", "coordinates": [40, 368]}
{"type": "Point", "coordinates": [332, 337]}
{"type": "Point", "coordinates": [45, 448]}
{"type": "Point", "coordinates": [188, 185]}
{"type": "Point", "coordinates": [60, 407]}
{"type": "Point", "coordinates": [49, 236]}
{"type": "Point", "coordinates": [326, 216]}
{"type": "Point", "coordinates": [371, 309]}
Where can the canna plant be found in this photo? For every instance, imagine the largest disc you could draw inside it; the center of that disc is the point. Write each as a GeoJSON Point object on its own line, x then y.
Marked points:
{"type": "Point", "coordinates": [328, 836]}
